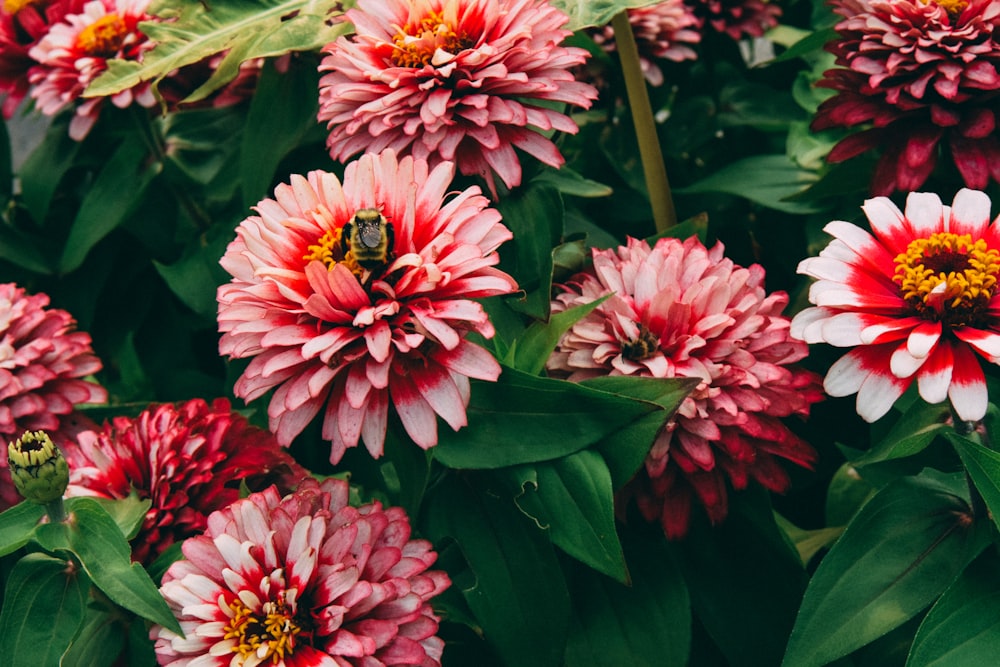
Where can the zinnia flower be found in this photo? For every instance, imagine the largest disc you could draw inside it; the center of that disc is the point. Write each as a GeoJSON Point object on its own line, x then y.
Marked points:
{"type": "Point", "coordinates": [664, 31]}
{"type": "Point", "coordinates": [303, 580]}
{"type": "Point", "coordinates": [681, 310]}
{"type": "Point", "coordinates": [189, 460]}
{"type": "Point", "coordinates": [923, 75]}
{"type": "Point", "coordinates": [916, 298]}
{"type": "Point", "coordinates": [42, 365]}
{"type": "Point", "coordinates": [340, 326]}
{"type": "Point", "coordinates": [22, 24]}
{"type": "Point", "coordinates": [466, 81]}
{"type": "Point", "coordinates": [74, 52]}
{"type": "Point", "coordinates": [737, 18]}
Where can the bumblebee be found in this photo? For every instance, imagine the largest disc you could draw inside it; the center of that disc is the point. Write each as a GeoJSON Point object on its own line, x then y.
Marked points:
{"type": "Point", "coordinates": [368, 236]}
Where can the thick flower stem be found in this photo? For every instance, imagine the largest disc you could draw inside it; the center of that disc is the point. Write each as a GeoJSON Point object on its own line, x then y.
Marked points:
{"type": "Point", "coordinates": [56, 510]}
{"type": "Point", "coordinates": [664, 214]}
{"type": "Point", "coordinates": [975, 431]}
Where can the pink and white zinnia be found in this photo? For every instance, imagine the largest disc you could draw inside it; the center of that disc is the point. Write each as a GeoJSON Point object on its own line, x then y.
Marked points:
{"type": "Point", "coordinates": [303, 581]}
{"type": "Point", "coordinates": [329, 334]}
{"type": "Point", "coordinates": [916, 299]}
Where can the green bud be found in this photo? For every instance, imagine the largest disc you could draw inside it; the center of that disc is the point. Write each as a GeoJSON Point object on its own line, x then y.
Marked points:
{"type": "Point", "coordinates": [38, 468]}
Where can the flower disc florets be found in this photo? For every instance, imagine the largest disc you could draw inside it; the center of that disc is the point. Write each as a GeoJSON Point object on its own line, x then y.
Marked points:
{"type": "Point", "coordinates": [466, 81]}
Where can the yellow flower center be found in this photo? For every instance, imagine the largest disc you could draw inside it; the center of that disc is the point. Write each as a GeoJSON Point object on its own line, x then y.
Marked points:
{"type": "Point", "coordinates": [953, 7]}
{"type": "Point", "coordinates": [14, 6]}
{"type": "Point", "coordinates": [261, 638]}
{"type": "Point", "coordinates": [327, 249]}
{"type": "Point", "coordinates": [948, 278]}
{"type": "Point", "coordinates": [416, 44]}
{"type": "Point", "coordinates": [104, 37]}
{"type": "Point", "coordinates": [644, 345]}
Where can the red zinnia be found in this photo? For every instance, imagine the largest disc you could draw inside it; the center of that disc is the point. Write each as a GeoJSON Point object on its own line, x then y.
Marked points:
{"type": "Point", "coordinates": [737, 18]}
{"type": "Point", "coordinates": [681, 310]}
{"type": "Point", "coordinates": [303, 581]}
{"type": "Point", "coordinates": [461, 80]}
{"type": "Point", "coordinates": [920, 74]}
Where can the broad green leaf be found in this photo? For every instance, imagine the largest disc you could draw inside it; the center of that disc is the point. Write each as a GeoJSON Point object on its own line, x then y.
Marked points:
{"type": "Point", "coordinates": [983, 466]}
{"type": "Point", "coordinates": [808, 542]}
{"type": "Point", "coordinates": [646, 624]}
{"type": "Point", "coordinates": [764, 179]}
{"type": "Point", "coordinates": [98, 643]}
{"type": "Point", "coordinates": [118, 189]}
{"type": "Point", "coordinates": [22, 250]}
{"type": "Point", "coordinates": [847, 493]}
{"type": "Point", "coordinates": [197, 30]}
{"type": "Point", "coordinates": [570, 182]}
{"type": "Point", "coordinates": [44, 168]}
{"type": "Point", "coordinates": [571, 498]}
{"type": "Point", "coordinates": [535, 216]}
{"type": "Point", "coordinates": [201, 143]}
{"type": "Point", "coordinates": [274, 115]}
{"type": "Point", "coordinates": [745, 579]}
{"type": "Point", "coordinates": [585, 13]}
{"type": "Point", "coordinates": [532, 349]}
{"type": "Point", "coordinates": [519, 595]}
{"type": "Point", "coordinates": [898, 554]}
{"type": "Point", "coordinates": [196, 275]}
{"type": "Point", "coordinates": [96, 541]}
{"type": "Point", "coordinates": [523, 418]}
{"type": "Point", "coordinates": [128, 513]}
{"type": "Point", "coordinates": [911, 434]}
{"type": "Point", "coordinates": [963, 627]}
{"type": "Point", "coordinates": [808, 45]}
{"type": "Point", "coordinates": [17, 524]}
{"type": "Point", "coordinates": [42, 609]}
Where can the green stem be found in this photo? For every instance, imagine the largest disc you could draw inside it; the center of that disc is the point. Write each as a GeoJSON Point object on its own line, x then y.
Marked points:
{"type": "Point", "coordinates": [975, 431]}
{"type": "Point", "coordinates": [56, 510]}
{"type": "Point", "coordinates": [664, 214]}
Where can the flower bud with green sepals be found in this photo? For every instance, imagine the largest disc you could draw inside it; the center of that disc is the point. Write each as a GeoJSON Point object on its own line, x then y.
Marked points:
{"type": "Point", "coordinates": [38, 468]}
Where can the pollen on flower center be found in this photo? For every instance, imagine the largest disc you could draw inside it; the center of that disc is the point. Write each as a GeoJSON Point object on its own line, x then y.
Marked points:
{"type": "Point", "coordinates": [104, 37]}
{"type": "Point", "coordinates": [14, 6]}
{"type": "Point", "coordinates": [271, 637]}
{"type": "Point", "coordinates": [327, 250]}
{"type": "Point", "coordinates": [416, 44]}
{"type": "Point", "coordinates": [953, 7]}
{"type": "Point", "coordinates": [948, 278]}
{"type": "Point", "coordinates": [642, 346]}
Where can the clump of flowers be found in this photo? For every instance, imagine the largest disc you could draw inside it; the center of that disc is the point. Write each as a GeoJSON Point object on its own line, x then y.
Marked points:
{"type": "Point", "coordinates": [76, 50]}
{"type": "Point", "coordinates": [737, 18]}
{"type": "Point", "coordinates": [664, 31]}
{"type": "Point", "coordinates": [304, 580]}
{"type": "Point", "coordinates": [43, 366]}
{"type": "Point", "coordinates": [466, 81]}
{"type": "Point", "coordinates": [916, 299]}
{"type": "Point", "coordinates": [189, 460]}
{"type": "Point", "coordinates": [679, 309]}
{"type": "Point", "coordinates": [351, 296]}
{"type": "Point", "coordinates": [924, 77]}
{"type": "Point", "coordinates": [22, 24]}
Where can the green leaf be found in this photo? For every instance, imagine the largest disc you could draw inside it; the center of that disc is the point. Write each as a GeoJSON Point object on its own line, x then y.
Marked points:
{"type": "Point", "coordinates": [898, 554]}
{"type": "Point", "coordinates": [983, 466]}
{"type": "Point", "coordinates": [847, 493]}
{"type": "Point", "coordinates": [198, 30]}
{"type": "Point", "coordinates": [570, 182]}
{"type": "Point", "coordinates": [22, 250]}
{"type": "Point", "coordinates": [17, 524]}
{"type": "Point", "coordinates": [128, 513]}
{"type": "Point", "coordinates": [44, 168]}
{"type": "Point", "coordinates": [572, 499]}
{"type": "Point", "coordinates": [118, 189]}
{"type": "Point", "coordinates": [808, 45]}
{"type": "Point", "coordinates": [694, 226]}
{"type": "Point", "coordinates": [911, 434]}
{"type": "Point", "coordinates": [585, 13]}
{"type": "Point", "coordinates": [42, 609]}
{"type": "Point", "coordinates": [535, 216]}
{"type": "Point", "coordinates": [200, 143]}
{"type": "Point", "coordinates": [647, 624]}
{"type": "Point", "coordinates": [764, 179]}
{"type": "Point", "coordinates": [283, 124]}
{"type": "Point", "coordinates": [97, 542]}
{"type": "Point", "coordinates": [523, 418]}
{"type": "Point", "coordinates": [963, 627]}
{"type": "Point", "coordinates": [532, 349]}
{"type": "Point", "coordinates": [808, 542]}
{"type": "Point", "coordinates": [196, 275]}
{"type": "Point", "coordinates": [518, 593]}
{"type": "Point", "coordinates": [745, 580]}
{"type": "Point", "coordinates": [98, 643]}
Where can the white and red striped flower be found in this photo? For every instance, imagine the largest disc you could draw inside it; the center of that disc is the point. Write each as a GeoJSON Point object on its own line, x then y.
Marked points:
{"type": "Point", "coordinates": [330, 335]}
{"type": "Point", "coordinates": [466, 81]}
{"type": "Point", "coordinates": [916, 298]}
{"type": "Point", "coordinates": [76, 50]}
{"type": "Point", "coordinates": [678, 310]}
{"type": "Point", "coordinates": [303, 581]}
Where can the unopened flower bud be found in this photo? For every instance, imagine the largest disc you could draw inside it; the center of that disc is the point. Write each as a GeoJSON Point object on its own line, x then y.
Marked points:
{"type": "Point", "coordinates": [38, 468]}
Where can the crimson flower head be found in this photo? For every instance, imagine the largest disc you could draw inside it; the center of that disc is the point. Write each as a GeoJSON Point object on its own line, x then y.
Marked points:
{"type": "Point", "coordinates": [351, 296]}
{"type": "Point", "coordinates": [919, 78]}
{"type": "Point", "coordinates": [737, 18]}
{"type": "Point", "coordinates": [664, 31]}
{"type": "Point", "coordinates": [466, 81]}
{"type": "Point", "coordinates": [76, 50]}
{"type": "Point", "coordinates": [303, 581]}
{"type": "Point", "coordinates": [22, 24]}
{"type": "Point", "coordinates": [43, 363]}
{"type": "Point", "coordinates": [679, 309]}
{"type": "Point", "coordinates": [188, 460]}
{"type": "Point", "coordinates": [916, 298]}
